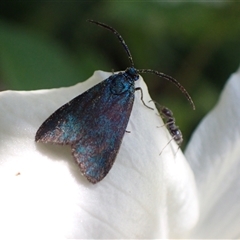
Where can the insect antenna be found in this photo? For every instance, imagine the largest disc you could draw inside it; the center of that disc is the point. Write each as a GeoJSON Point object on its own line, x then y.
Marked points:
{"type": "Point", "coordinates": [118, 36]}
{"type": "Point", "coordinates": [171, 79]}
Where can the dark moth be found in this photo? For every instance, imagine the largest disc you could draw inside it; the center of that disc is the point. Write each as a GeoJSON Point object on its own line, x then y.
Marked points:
{"type": "Point", "coordinates": [94, 123]}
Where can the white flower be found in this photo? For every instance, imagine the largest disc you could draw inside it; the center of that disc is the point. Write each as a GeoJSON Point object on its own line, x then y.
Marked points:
{"type": "Point", "coordinates": [214, 155]}
{"type": "Point", "coordinates": [145, 195]}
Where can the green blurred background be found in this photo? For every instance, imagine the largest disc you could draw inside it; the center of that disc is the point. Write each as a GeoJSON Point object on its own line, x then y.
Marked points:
{"type": "Point", "coordinates": [49, 44]}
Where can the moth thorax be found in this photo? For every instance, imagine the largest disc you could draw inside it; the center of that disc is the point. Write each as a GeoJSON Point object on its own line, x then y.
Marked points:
{"type": "Point", "coordinates": [120, 84]}
{"type": "Point", "coordinates": [132, 73]}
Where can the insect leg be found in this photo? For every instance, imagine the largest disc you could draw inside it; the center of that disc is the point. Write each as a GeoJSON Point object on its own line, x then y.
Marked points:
{"type": "Point", "coordinates": [138, 88]}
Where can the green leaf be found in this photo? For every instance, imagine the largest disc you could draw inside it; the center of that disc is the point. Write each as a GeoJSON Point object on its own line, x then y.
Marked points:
{"type": "Point", "coordinates": [30, 60]}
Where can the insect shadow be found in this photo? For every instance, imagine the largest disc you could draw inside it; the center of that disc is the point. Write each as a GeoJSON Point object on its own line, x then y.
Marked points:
{"type": "Point", "coordinates": [94, 123]}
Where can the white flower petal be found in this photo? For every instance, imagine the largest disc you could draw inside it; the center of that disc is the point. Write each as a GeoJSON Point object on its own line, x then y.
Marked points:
{"type": "Point", "coordinates": [43, 193]}
{"type": "Point", "coordinates": [214, 155]}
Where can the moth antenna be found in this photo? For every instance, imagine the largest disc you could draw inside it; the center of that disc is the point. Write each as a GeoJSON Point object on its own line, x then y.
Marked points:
{"type": "Point", "coordinates": [171, 79]}
{"type": "Point", "coordinates": [118, 36]}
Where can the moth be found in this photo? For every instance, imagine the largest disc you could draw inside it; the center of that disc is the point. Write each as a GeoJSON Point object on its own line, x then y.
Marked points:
{"type": "Point", "coordinates": [94, 123]}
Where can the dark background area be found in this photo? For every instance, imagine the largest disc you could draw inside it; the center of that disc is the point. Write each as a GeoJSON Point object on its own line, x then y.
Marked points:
{"type": "Point", "coordinates": [49, 44]}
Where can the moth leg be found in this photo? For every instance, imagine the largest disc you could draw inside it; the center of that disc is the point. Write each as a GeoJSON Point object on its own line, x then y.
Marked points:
{"type": "Point", "coordinates": [138, 88]}
{"type": "Point", "coordinates": [127, 131]}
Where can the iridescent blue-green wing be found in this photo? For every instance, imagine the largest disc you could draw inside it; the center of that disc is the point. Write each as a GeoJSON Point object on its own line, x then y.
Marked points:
{"type": "Point", "coordinates": [93, 124]}
{"type": "Point", "coordinates": [65, 124]}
